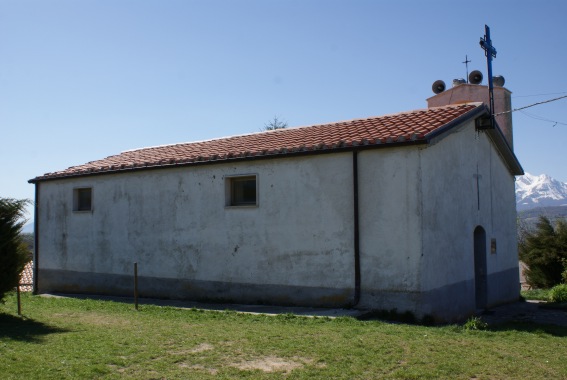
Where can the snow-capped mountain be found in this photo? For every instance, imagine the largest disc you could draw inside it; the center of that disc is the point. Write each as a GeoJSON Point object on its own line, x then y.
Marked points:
{"type": "Point", "coordinates": [539, 191]}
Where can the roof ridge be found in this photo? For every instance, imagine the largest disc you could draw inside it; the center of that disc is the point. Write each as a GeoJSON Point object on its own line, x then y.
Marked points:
{"type": "Point", "coordinates": [299, 127]}
{"type": "Point", "coordinates": [408, 127]}
{"type": "Point", "coordinates": [391, 114]}
{"type": "Point", "coordinates": [201, 141]}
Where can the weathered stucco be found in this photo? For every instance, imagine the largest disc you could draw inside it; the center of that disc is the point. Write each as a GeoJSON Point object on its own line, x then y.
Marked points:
{"type": "Point", "coordinates": [390, 227]}
{"type": "Point", "coordinates": [175, 224]}
{"type": "Point", "coordinates": [418, 209]}
{"type": "Point", "coordinates": [452, 209]}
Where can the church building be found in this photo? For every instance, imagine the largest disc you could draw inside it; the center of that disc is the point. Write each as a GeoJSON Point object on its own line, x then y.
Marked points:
{"type": "Point", "coordinates": [413, 211]}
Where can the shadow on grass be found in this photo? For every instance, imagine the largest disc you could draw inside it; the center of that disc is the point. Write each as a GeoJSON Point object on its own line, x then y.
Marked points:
{"type": "Point", "coordinates": [554, 306]}
{"type": "Point", "coordinates": [23, 329]}
{"type": "Point", "coordinates": [531, 327]}
{"type": "Point", "coordinates": [393, 316]}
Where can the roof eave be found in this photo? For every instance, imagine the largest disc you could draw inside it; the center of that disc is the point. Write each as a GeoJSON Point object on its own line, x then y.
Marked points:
{"type": "Point", "coordinates": [471, 115]}
{"type": "Point", "coordinates": [495, 134]}
{"type": "Point", "coordinates": [351, 148]}
{"type": "Point", "coordinates": [501, 144]}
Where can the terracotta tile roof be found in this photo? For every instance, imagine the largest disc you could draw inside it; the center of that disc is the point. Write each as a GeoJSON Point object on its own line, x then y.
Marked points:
{"type": "Point", "coordinates": [26, 278]}
{"type": "Point", "coordinates": [400, 128]}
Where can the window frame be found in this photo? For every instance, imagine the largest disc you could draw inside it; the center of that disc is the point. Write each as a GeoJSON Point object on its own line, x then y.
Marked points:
{"type": "Point", "coordinates": [78, 200]}
{"type": "Point", "coordinates": [231, 194]}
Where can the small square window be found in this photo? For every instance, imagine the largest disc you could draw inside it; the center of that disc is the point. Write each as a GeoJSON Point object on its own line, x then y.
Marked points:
{"type": "Point", "coordinates": [83, 199]}
{"type": "Point", "coordinates": [242, 191]}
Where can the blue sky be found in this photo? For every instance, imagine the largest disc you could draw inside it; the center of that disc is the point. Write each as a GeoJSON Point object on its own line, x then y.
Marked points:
{"type": "Point", "coordinates": [82, 80]}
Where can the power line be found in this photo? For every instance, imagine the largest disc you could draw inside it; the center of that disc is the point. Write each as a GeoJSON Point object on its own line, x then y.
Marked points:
{"type": "Point", "coordinates": [536, 117]}
{"type": "Point", "coordinates": [531, 105]}
{"type": "Point", "coordinates": [549, 93]}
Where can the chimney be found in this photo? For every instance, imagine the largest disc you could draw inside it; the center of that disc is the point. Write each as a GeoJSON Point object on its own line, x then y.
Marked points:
{"type": "Point", "coordinates": [465, 93]}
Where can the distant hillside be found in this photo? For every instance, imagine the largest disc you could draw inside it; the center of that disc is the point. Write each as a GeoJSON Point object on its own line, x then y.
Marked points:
{"type": "Point", "coordinates": [550, 212]}
{"type": "Point", "coordinates": [30, 242]}
{"type": "Point", "coordinates": [28, 228]}
{"type": "Point", "coordinates": [529, 217]}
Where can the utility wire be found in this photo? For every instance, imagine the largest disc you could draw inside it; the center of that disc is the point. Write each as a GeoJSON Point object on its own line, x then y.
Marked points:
{"type": "Point", "coordinates": [531, 105]}
{"type": "Point", "coordinates": [549, 93]}
{"type": "Point", "coordinates": [536, 117]}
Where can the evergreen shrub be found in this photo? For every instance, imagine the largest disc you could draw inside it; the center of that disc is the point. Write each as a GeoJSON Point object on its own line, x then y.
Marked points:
{"type": "Point", "coordinates": [558, 293]}
{"type": "Point", "coordinates": [544, 251]}
{"type": "Point", "coordinates": [14, 253]}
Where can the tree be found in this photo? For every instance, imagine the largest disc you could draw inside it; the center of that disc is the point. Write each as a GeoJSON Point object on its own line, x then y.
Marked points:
{"type": "Point", "coordinates": [13, 251]}
{"type": "Point", "coordinates": [274, 124]}
{"type": "Point", "coordinates": [544, 251]}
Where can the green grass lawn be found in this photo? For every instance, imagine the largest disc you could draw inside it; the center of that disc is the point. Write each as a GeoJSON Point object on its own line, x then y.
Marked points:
{"type": "Point", "coordinates": [544, 295]}
{"type": "Point", "coordinates": [61, 338]}
{"type": "Point", "coordinates": [536, 294]}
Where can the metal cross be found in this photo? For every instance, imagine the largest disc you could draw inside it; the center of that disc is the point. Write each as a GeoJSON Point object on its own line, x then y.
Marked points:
{"type": "Point", "coordinates": [490, 52]}
{"type": "Point", "coordinates": [466, 62]}
{"type": "Point", "coordinates": [486, 44]}
{"type": "Point", "coordinates": [477, 177]}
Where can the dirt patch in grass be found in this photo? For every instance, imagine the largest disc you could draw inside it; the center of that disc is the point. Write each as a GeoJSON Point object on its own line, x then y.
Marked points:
{"type": "Point", "coordinates": [199, 367]}
{"type": "Point", "coordinates": [116, 368]}
{"type": "Point", "coordinates": [195, 350]}
{"type": "Point", "coordinates": [272, 364]}
{"type": "Point", "coordinates": [201, 347]}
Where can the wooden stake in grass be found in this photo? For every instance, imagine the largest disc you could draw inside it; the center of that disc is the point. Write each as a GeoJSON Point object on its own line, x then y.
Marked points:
{"type": "Point", "coordinates": [19, 300]}
{"type": "Point", "coordinates": [136, 285]}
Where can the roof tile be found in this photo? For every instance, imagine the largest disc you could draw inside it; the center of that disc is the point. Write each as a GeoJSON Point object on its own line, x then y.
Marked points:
{"type": "Point", "coordinates": [406, 127]}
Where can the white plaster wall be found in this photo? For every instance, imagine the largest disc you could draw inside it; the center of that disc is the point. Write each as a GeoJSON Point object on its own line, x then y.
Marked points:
{"type": "Point", "coordinates": [174, 223]}
{"type": "Point", "coordinates": [503, 226]}
{"type": "Point", "coordinates": [451, 211]}
{"type": "Point", "coordinates": [390, 226]}
{"type": "Point", "coordinates": [449, 205]}
{"type": "Point", "coordinates": [418, 212]}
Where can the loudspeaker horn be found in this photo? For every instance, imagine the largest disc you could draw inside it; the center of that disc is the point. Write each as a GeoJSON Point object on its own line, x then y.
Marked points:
{"type": "Point", "coordinates": [475, 77]}
{"type": "Point", "coordinates": [438, 86]}
{"type": "Point", "coordinates": [498, 81]}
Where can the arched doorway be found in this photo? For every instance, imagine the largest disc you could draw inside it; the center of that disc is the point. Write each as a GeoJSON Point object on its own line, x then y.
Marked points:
{"type": "Point", "coordinates": [480, 275]}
